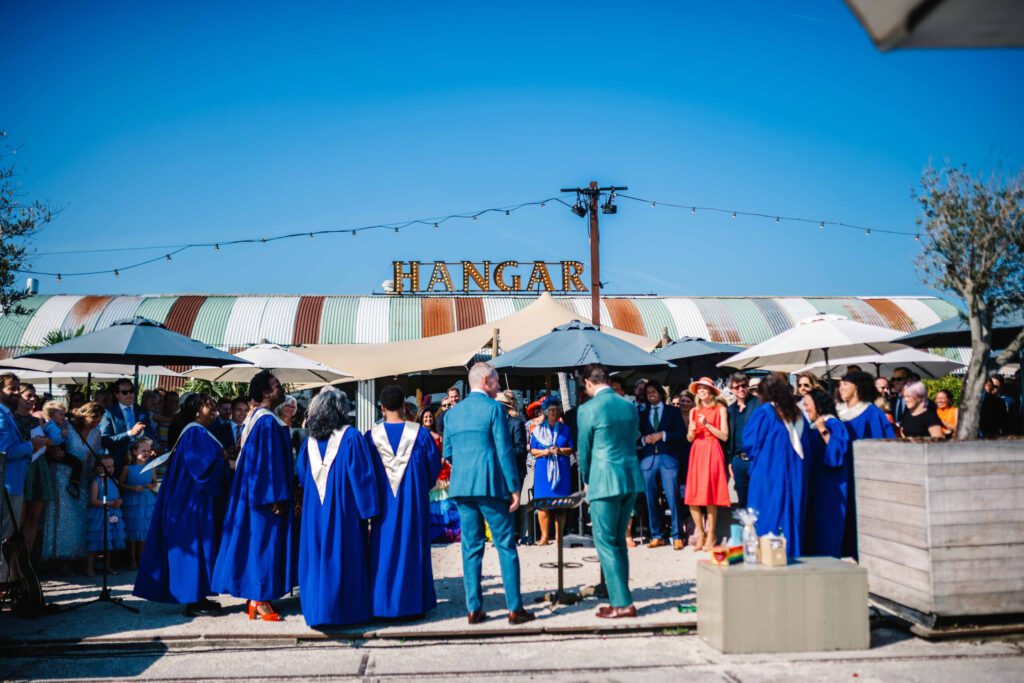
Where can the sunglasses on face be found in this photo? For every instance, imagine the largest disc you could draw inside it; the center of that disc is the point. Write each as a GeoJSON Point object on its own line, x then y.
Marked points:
{"type": "Point", "coordinates": [126, 392]}
{"type": "Point", "coordinates": [804, 385]}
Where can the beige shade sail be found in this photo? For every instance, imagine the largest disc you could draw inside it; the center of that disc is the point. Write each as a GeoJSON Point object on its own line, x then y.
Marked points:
{"type": "Point", "coordinates": [894, 24]}
{"type": "Point", "coordinates": [456, 349]}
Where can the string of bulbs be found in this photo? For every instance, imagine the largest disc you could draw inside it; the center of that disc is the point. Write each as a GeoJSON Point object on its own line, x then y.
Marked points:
{"type": "Point", "coordinates": [580, 208]}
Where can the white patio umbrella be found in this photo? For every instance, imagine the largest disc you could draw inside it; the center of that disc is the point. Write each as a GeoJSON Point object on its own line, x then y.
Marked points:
{"type": "Point", "coordinates": [288, 367]}
{"type": "Point", "coordinates": [81, 371]}
{"type": "Point", "coordinates": [924, 364]}
{"type": "Point", "coordinates": [821, 338]}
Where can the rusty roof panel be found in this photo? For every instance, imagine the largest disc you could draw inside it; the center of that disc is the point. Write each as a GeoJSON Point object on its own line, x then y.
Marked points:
{"type": "Point", "coordinates": [624, 316]}
{"type": "Point", "coordinates": [438, 316]}
{"type": "Point", "coordinates": [119, 308]}
{"type": "Point", "coordinates": [919, 313]}
{"type": "Point", "coordinates": [720, 323]}
{"type": "Point", "coordinates": [85, 314]}
{"type": "Point", "coordinates": [307, 320]}
{"type": "Point", "coordinates": [892, 314]}
{"type": "Point", "coordinates": [182, 315]}
{"type": "Point", "coordinates": [469, 312]}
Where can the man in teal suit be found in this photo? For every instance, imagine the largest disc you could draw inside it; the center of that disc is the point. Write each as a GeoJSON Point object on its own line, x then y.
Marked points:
{"type": "Point", "coordinates": [608, 428]}
{"type": "Point", "coordinates": [485, 486]}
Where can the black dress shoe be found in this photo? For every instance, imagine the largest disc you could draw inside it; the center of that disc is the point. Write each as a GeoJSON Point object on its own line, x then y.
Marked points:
{"type": "Point", "coordinates": [207, 603]}
{"type": "Point", "coordinates": [476, 617]}
{"type": "Point", "coordinates": [520, 617]}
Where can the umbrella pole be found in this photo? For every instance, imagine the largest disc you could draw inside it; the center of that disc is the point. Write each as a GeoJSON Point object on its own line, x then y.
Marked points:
{"type": "Point", "coordinates": [828, 371]}
{"type": "Point", "coordinates": [88, 386]}
{"type": "Point", "coordinates": [136, 401]}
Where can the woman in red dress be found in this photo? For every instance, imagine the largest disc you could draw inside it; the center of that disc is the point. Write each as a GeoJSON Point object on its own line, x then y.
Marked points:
{"type": "Point", "coordinates": [707, 484]}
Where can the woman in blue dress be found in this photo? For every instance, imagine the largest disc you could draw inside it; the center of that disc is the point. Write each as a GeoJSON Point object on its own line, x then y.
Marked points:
{"type": "Point", "coordinates": [551, 445]}
{"type": "Point", "coordinates": [864, 420]}
{"type": "Point", "coordinates": [777, 439]}
{"type": "Point", "coordinates": [830, 480]}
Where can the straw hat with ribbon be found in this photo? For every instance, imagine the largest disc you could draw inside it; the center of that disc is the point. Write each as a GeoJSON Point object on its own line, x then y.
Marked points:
{"type": "Point", "coordinates": [703, 382]}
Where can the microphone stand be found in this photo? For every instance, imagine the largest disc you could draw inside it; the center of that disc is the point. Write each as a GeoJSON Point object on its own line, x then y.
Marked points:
{"type": "Point", "coordinates": [105, 595]}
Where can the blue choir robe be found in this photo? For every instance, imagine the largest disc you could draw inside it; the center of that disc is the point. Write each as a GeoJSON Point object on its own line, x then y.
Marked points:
{"type": "Point", "coordinates": [829, 487]}
{"type": "Point", "coordinates": [184, 534]}
{"type": "Point", "coordinates": [339, 491]}
{"type": "Point", "coordinates": [778, 484]}
{"type": "Point", "coordinates": [407, 462]}
{"type": "Point", "coordinates": [257, 557]}
{"type": "Point", "coordinates": [866, 421]}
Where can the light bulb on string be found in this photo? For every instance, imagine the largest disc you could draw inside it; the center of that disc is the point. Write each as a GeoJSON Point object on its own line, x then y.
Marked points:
{"type": "Point", "coordinates": [396, 231]}
{"type": "Point", "coordinates": [216, 247]}
{"type": "Point", "coordinates": [507, 212]}
{"type": "Point", "coordinates": [474, 216]}
{"type": "Point", "coordinates": [310, 235]}
{"type": "Point", "coordinates": [58, 278]}
{"type": "Point", "coordinates": [264, 239]}
{"type": "Point", "coordinates": [169, 259]}
{"type": "Point", "coordinates": [776, 219]}
{"type": "Point", "coordinates": [821, 225]}
{"type": "Point", "coordinates": [653, 204]}
{"type": "Point", "coordinates": [542, 204]}
{"type": "Point", "coordinates": [867, 232]}
{"type": "Point", "coordinates": [917, 237]}
{"type": "Point", "coordinates": [734, 215]}
{"type": "Point", "coordinates": [353, 233]}
{"type": "Point", "coordinates": [693, 209]}
{"type": "Point", "coordinates": [116, 273]}
{"type": "Point", "coordinates": [436, 226]}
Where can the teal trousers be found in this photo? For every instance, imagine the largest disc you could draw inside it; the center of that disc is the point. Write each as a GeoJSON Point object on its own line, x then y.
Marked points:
{"type": "Point", "coordinates": [610, 517]}
{"type": "Point", "coordinates": [473, 512]}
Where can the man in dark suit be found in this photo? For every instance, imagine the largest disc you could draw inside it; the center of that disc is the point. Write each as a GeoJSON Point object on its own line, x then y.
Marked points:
{"type": "Point", "coordinates": [221, 427]}
{"type": "Point", "coordinates": [123, 423]}
{"type": "Point", "coordinates": [662, 433]}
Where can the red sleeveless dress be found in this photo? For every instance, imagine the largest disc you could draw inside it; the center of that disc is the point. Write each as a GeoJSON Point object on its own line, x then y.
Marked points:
{"type": "Point", "coordinates": [706, 481]}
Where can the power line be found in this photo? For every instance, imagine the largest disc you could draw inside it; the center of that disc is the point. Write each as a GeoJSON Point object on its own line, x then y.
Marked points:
{"type": "Point", "coordinates": [175, 249]}
{"type": "Point", "coordinates": [778, 218]}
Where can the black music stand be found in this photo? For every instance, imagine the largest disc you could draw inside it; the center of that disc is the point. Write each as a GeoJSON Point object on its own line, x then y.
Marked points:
{"type": "Point", "coordinates": [559, 596]}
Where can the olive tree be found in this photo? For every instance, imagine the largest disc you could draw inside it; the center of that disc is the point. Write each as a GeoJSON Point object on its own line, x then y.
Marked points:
{"type": "Point", "coordinates": [20, 219]}
{"type": "Point", "coordinates": [973, 246]}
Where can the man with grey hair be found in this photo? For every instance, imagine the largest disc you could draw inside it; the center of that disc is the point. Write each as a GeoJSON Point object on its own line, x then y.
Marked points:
{"type": "Point", "coordinates": [485, 486]}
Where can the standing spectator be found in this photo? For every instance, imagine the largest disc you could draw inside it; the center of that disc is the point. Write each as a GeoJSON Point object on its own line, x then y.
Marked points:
{"type": "Point", "coordinates": [139, 498]}
{"type": "Point", "coordinates": [919, 419]}
{"type": "Point", "coordinates": [105, 397]}
{"type": "Point", "coordinates": [444, 516]}
{"type": "Point", "coordinates": [829, 467]}
{"type": "Point", "coordinates": [523, 456]}
{"type": "Point", "coordinates": [1012, 408]}
{"type": "Point", "coordinates": [123, 423]}
{"type": "Point", "coordinates": [707, 485]}
{"type": "Point", "coordinates": [806, 382]}
{"type": "Point", "coordinates": [103, 488]}
{"type": "Point", "coordinates": [551, 445]}
{"type": "Point", "coordinates": [450, 400]}
{"type": "Point", "coordinates": [220, 427]}
{"type": "Point", "coordinates": [38, 488]}
{"type": "Point", "coordinates": [900, 377]}
{"type": "Point", "coordinates": [286, 413]}
{"type": "Point", "coordinates": [994, 420]}
{"type": "Point", "coordinates": [616, 384]}
{"type": "Point", "coordinates": [739, 412]}
{"type": "Point", "coordinates": [662, 432]}
{"type": "Point", "coordinates": [168, 409]}
{"type": "Point", "coordinates": [947, 412]}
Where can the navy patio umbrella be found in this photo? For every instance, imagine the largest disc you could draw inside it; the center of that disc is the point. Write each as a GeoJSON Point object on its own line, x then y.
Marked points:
{"type": "Point", "coordinates": [575, 345]}
{"type": "Point", "coordinates": [694, 357]}
{"type": "Point", "coordinates": [956, 331]}
{"type": "Point", "coordinates": [135, 341]}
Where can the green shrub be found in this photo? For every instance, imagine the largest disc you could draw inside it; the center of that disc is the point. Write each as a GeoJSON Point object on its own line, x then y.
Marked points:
{"type": "Point", "coordinates": [950, 383]}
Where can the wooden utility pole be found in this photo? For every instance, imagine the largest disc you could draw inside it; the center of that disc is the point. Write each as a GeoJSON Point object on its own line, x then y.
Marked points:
{"type": "Point", "coordinates": [593, 193]}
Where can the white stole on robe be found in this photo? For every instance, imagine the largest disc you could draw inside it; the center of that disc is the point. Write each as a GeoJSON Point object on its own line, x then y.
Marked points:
{"type": "Point", "coordinates": [847, 414]}
{"type": "Point", "coordinates": [250, 422]}
{"type": "Point", "coordinates": [395, 463]}
{"type": "Point", "coordinates": [320, 465]}
{"type": "Point", "coordinates": [796, 430]}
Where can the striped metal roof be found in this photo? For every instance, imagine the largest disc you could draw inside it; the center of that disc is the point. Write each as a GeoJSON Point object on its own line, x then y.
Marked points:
{"type": "Point", "coordinates": [237, 321]}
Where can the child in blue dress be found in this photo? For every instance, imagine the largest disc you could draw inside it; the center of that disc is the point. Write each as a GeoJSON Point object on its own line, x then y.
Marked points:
{"type": "Point", "coordinates": [113, 523]}
{"type": "Point", "coordinates": [139, 490]}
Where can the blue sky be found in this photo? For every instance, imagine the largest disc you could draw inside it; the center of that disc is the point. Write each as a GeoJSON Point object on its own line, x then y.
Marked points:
{"type": "Point", "coordinates": [205, 121]}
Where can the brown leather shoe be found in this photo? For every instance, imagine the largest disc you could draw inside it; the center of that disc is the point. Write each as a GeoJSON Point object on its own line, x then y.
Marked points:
{"type": "Point", "coordinates": [677, 544]}
{"type": "Point", "coordinates": [607, 612]}
{"type": "Point", "coordinates": [656, 543]}
{"type": "Point", "coordinates": [630, 543]}
{"type": "Point", "coordinates": [520, 617]}
{"type": "Point", "coordinates": [476, 617]}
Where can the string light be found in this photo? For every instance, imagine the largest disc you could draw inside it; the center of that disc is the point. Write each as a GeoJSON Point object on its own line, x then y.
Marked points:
{"type": "Point", "coordinates": [116, 273]}
{"type": "Point", "coordinates": [396, 231]}
{"type": "Point", "coordinates": [216, 247]}
{"type": "Point", "coordinates": [353, 233]}
{"type": "Point", "coordinates": [507, 212]}
{"type": "Point", "coordinates": [169, 259]}
{"type": "Point", "coordinates": [58, 278]}
{"type": "Point", "coordinates": [310, 235]}
{"type": "Point", "coordinates": [436, 226]}
{"type": "Point", "coordinates": [653, 204]}
{"type": "Point", "coordinates": [734, 215]}
{"type": "Point", "coordinates": [867, 232]}
{"type": "Point", "coordinates": [474, 217]}
{"type": "Point", "coordinates": [778, 218]}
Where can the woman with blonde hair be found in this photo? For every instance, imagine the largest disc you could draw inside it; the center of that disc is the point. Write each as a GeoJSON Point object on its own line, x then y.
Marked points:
{"type": "Point", "coordinates": [707, 484]}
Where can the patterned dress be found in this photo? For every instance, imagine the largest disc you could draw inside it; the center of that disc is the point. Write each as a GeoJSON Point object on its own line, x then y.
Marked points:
{"type": "Point", "coordinates": [64, 526]}
{"type": "Point", "coordinates": [115, 525]}
{"type": "Point", "coordinates": [138, 505]}
{"type": "Point", "coordinates": [444, 516]}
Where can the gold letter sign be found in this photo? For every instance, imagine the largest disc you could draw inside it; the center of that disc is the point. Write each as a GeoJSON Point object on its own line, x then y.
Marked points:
{"type": "Point", "coordinates": [504, 278]}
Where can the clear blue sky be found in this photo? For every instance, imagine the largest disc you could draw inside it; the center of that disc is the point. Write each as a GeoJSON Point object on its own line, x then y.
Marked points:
{"type": "Point", "coordinates": [209, 121]}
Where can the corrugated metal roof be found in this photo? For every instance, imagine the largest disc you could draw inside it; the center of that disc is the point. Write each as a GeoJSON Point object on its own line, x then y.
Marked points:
{"type": "Point", "coordinates": [119, 308]}
{"type": "Point", "coordinates": [212, 320]}
{"type": "Point", "coordinates": [12, 327]}
{"type": "Point", "coordinates": [581, 304]}
{"type": "Point", "coordinates": [85, 313]}
{"type": "Point", "coordinates": [689, 322]}
{"type": "Point", "coordinates": [183, 313]}
{"type": "Point", "coordinates": [156, 308]}
{"type": "Point", "coordinates": [48, 317]}
{"type": "Point", "coordinates": [776, 317]}
{"type": "Point", "coordinates": [307, 320]}
{"type": "Point", "coordinates": [243, 327]}
{"type": "Point", "coordinates": [919, 313]}
{"type": "Point", "coordinates": [405, 318]}
{"type": "Point", "coordinates": [373, 320]}
{"type": "Point", "coordinates": [942, 309]}
{"type": "Point", "coordinates": [749, 319]}
{"type": "Point", "coordinates": [338, 322]}
{"type": "Point", "coordinates": [469, 312]}
{"type": "Point", "coordinates": [496, 308]}
{"type": "Point", "coordinates": [796, 308]}
{"type": "Point", "coordinates": [892, 314]}
{"type": "Point", "coordinates": [655, 317]}
{"type": "Point", "coordinates": [720, 324]}
{"type": "Point", "coordinates": [624, 316]}
{"type": "Point", "coordinates": [278, 324]}
{"type": "Point", "coordinates": [438, 316]}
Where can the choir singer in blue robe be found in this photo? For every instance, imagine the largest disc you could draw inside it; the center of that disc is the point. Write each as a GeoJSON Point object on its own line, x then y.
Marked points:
{"type": "Point", "coordinates": [339, 492]}
{"type": "Point", "coordinates": [830, 479]}
{"type": "Point", "coordinates": [257, 559]}
{"type": "Point", "coordinates": [184, 536]}
{"type": "Point", "coordinates": [777, 438]}
{"type": "Point", "coordinates": [407, 462]}
{"type": "Point", "coordinates": [863, 420]}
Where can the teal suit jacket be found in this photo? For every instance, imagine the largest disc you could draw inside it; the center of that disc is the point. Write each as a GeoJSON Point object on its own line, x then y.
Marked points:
{"type": "Point", "coordinates": [479, 447]}
{"type": "Point", "coordinates": [608, 427]}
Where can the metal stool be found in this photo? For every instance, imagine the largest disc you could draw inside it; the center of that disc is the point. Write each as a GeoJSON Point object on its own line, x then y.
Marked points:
{"type": "Point", "coordinates": [559, 596]}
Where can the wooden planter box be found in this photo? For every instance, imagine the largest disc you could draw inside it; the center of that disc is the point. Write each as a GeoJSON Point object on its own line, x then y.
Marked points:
{"type": "Point", "coordinates": [940, 526]}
